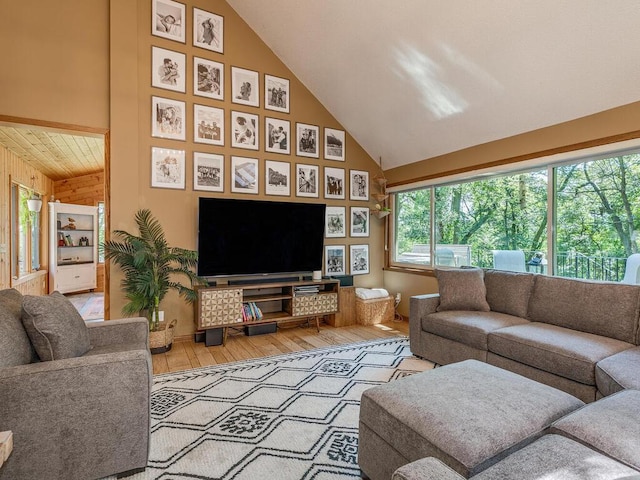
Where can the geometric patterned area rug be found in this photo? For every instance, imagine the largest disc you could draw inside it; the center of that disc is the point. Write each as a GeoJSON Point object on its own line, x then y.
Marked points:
{"type": "Point", "coordinates": [286, 417]}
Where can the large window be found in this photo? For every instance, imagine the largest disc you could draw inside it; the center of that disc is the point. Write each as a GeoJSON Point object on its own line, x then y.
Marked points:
{"type": "Point", "coordinates": [504, 221]}
{"type": "Point", "coordinates": [25, 234]}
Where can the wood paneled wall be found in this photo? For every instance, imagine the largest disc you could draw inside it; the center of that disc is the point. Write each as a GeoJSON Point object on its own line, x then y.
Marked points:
{"type": "Point", "coordinates": [13, 169]}
{"type": "Point", "coordinates": [84, 190]}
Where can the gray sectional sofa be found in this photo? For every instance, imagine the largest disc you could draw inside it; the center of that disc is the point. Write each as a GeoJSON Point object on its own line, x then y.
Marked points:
{"type": "Point", "coordinates": [578, 336]}
{"type": "Point", "coordinates": [76, 396]}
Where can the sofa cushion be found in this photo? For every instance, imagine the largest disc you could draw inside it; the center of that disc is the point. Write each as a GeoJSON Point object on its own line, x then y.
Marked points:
{"type": "Point", "coordinates": [568, 353]}
{"type": "Point", "coordinates": [462, 289]}
{"type": "Point", "coordinates": [468, 327]}
{"type": "Point", "coordinates": [54, 326]}
{"type": "Point", "coordinates": [509, 292]}
{"type": "Point", "coordinates": [619, 371]}
{"type": "Point", "coordinates": [15, 347]}
{"type": "Point", "coordinates": [602, 308]}
{"type": "Point", "coordinates": [606, 426]}
{"type": "Point", "coordinates": [554, 457]}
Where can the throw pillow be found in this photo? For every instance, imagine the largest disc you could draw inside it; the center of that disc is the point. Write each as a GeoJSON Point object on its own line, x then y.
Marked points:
{"type": "Point", "coordinates": [15, 347]}
{"type": "Point", "coordinates": [55, 327]}
{"type": "Point", "coordinates": [462, 289]}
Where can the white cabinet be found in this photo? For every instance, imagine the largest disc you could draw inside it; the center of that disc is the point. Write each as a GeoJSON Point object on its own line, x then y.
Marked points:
{"type": "Point", "coordinates": [73, 247]}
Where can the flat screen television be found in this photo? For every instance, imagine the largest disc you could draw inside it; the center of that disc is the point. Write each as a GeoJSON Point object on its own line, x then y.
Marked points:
{"type": "Point", "coordinates": [247, 237]}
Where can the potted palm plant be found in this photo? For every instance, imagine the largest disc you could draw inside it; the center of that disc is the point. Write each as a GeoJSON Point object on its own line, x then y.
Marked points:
{"type": "Point", "coordinates": [151, 268]}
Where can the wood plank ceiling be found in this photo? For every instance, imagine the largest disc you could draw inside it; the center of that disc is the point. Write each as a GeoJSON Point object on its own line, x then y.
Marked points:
{"type": "Point", "coordinates": [58, 155]}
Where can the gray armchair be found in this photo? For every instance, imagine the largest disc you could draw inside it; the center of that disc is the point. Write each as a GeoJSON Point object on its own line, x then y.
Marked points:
{"type": "Point", "coordinates": [81, 418]}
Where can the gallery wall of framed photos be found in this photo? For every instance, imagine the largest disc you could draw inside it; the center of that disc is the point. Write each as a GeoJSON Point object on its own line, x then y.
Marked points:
{"type": "Point", "coordinates": [227, 118]}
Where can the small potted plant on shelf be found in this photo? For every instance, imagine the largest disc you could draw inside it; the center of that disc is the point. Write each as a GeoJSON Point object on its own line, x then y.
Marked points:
{"type": "Point", "coordinates": [150, 268]}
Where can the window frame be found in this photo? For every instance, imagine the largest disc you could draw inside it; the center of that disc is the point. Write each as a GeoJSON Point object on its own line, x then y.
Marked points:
{"type": "Point", "coordinates": [32, 238]}
{"type": "Point", "coordinates": [548, 162]}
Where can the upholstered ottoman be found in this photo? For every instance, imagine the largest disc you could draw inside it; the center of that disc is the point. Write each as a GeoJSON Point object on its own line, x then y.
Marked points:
{"type": "Point", "coordinates": [467, 414]}
{"type": "Point", "coordinates": [611, 425]}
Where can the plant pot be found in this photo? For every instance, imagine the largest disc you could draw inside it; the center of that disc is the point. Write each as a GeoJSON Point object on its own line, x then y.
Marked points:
{"type": "Point", "coordinates": [161, 340]}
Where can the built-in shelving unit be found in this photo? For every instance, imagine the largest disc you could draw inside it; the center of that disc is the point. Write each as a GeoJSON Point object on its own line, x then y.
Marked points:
{"type": "Point", "coordinates": [73, 247]}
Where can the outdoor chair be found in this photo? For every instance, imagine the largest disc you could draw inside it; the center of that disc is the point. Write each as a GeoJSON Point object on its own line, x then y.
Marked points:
{"type": "Point", "coordinates": [632, 270]}
{"type": "Point", "coordinates": [511, 260]}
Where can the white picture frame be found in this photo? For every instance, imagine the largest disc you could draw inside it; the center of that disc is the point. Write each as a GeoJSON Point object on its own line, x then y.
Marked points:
{"type": "Point", "coordinates": [244, 175]}
{"type": "Point", "coordinates": [168, 69]}
{"type": "Point", "coordinates": [359, 221]}
{"type": "Point", "coordinates": [244, 130]}
{"type": "Point", "coordinates": [358, 185]}
{"type": "Point", "coordinates": [208, 30]}
{"type": "Point", "coordinates": [245, 87]}
{"type": "Point", "coordinates": [167, 118]}
{"type": "Point", "coordinates": [208, 172]}
{"type": "Point", "coordinates": [307, 144]}
{"type": "Point", "coordinates": [168, 20]}
{"type": "Point", "coordinates": [335, 260]}
{"type": "Point", "coordinates": [334, 144]}
{"type": "Point", "coordinates": [277, 178]}
{"type": "Point", "coordinates": [167, 168]}
{"type": "Point", "coordinates": [335, 225]}
{"type": "Point", "coordinates": [277, 135]}
{"type": "Point", "coordinates": [335, 184]}
{"type": "Point", "coordinates": [307, 181]}
{"type": "Point", "coordinates": [208, 125]}
{"type": "Point", "coordinates": [276, 93]}
{"type": "Point", "coordinates": [359, 258]}
{"type": "Point", "coordinates": [208, 78]}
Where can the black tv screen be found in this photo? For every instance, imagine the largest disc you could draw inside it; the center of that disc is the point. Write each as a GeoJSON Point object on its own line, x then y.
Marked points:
{"type": "Point", "coordinates": [246, 237]}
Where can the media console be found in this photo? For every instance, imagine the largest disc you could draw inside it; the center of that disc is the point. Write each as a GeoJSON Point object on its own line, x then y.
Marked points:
{"type": "Point", "coordinates": [220, 307]}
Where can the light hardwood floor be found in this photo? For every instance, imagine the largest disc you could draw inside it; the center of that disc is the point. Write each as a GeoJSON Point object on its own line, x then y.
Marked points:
{"type": "Point", "coordinates": [187, 354]}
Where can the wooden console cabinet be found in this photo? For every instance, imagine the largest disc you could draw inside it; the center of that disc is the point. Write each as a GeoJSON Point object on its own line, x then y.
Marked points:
{"type": "Point", "coordinates": [222, 306]}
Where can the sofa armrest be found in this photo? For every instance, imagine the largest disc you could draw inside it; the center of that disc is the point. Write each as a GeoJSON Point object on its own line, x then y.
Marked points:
{"type": "Point", "coordinates": [419, 307]}
{"type": "Point", "coordinates": [429, 468]}
{"type": "Point", "coordinates": [125, 330]}
{"type": "Point", "coordinates": [76, 418]}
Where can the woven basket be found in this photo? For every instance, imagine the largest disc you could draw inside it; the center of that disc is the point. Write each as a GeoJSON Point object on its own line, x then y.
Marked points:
{"type": "Point", "coordinates": [161, 340]}
{"type": "Point", "coordinates": [375, 310]}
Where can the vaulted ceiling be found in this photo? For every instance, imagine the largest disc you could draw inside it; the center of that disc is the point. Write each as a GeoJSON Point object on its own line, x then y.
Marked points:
{"type": "Point", "coordinates": [413, 79]}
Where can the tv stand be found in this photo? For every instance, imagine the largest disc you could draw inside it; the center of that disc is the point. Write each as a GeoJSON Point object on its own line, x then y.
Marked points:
{"type": "Point", "coordinates": [222, 306]}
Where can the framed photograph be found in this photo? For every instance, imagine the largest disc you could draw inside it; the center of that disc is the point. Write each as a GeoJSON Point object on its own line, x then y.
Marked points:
{"type": "Point", "coordinates": [276, 93]}
{"type": "Point", "coordinates": [244, 175]}
{"type": "Point", "coordinates": [244, 130]}
{"type": "Point", "coordinates": [359, 185]}
{"type": "Point", "coordinates": [334, 260]}
{"type": "Point", "coordinates": [167, 168]}
{"type": "Point", "coordinates": [278, 134]}
{"type": "Point", "coordinates": [306, 180]}
{"type": "Point", "coordinates": [168, 69]}
{"type": "Point", "coordinates": [208, 78]}
{"type": "Point", "coordinates": [168, 19]}
{"type": "Point", "coordinates": [359, 255]}
{"type": "Point", "coordinates": [335, 222]}
{"type": "Point", "coordinates": [334, 184]}
{"type": "Point", "coordinates": [167, 118]}
{"type": "Point", "coordinates": [307, 140]}
{"type": "Point", "coordinates": [208, 30]}
{"type": "Point", "coordinates": [359, 221]}
{"type": "Point", "coordinates": [208, 172]}
{"type": "Point", "coordinates": [208, 125]}
{"type": "Point", "coordinates": [334, 147]}
{"type": "Point", "coordinates": [245, 87]}
{"type": "Point", "coordinates": [278, 178]}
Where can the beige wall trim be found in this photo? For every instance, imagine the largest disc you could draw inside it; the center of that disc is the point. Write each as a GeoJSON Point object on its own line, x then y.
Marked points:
{"type": "Point", "coordinates": [524, 157]}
